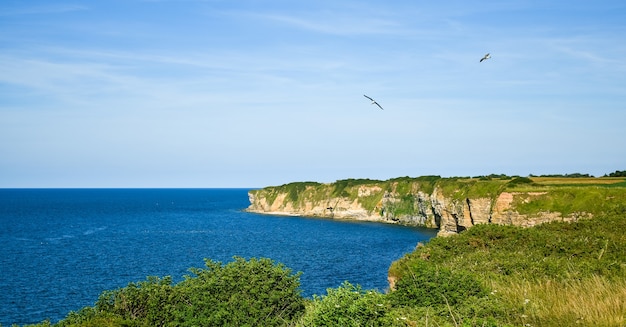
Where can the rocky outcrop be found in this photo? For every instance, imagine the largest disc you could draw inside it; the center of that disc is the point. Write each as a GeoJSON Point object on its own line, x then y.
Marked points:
{"type": "Point", "coordinates": [330, 207]}
{"type": "Point", "coordinates": [448, 205]}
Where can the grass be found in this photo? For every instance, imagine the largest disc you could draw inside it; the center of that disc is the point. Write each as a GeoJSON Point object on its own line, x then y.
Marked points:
{"type": "Point", "coordinates": [460, 189]}
{"type": "Point", "coordinates": [556, 274]}
{"type": "Point", "coordinates": [593, 301]}
{"type": "Point", "coordinates": [571, 199]}
{"type": "Point", "coordinates": [578, 181]}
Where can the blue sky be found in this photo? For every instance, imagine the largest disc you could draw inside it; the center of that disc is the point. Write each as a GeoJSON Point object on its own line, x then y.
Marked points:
{"type": "Point", "coordinates": [216, 93]}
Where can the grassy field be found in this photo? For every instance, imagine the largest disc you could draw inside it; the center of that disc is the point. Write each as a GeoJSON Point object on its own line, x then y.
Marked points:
{"type": "Point", "coordinates": [593, 301]}
{"type": "Point", "coordinates": [556, 274]}
{"type": "Point", "coordinates": [581, 180]}
{"type": "Point", "coordinates": [600, 181]}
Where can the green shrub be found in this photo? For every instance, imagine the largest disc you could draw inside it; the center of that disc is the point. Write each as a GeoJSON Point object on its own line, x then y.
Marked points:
{"type": "Point", "coordinates": [242, 293]}
{"type": "Point", "coordinates": [341, 187]}
{"type": "Point", "coordinates": [295, 189]}
{"type": "Point", "coordinates": [257, 292]}
{"type": "Point", "coordinates": [618, 173]}
{"type": "Point", "coordinates": [147, 301]}
{"type": "Point", "coordinates": [90, 317]}
{"type": "Point", "coordinates": [555, 250]}
{"type": "Point", "coordinates": [347, 306]}
{"type": "Point", "coordinates": [425, 284]}
{"type": "Point", "coordinates": [520, 181]}
{"type": "Point", "coordinates": [508, 260]}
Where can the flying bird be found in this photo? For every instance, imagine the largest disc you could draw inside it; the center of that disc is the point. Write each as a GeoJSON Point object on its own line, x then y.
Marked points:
{"type": "Point", "coordinates": [487, 56]}
{"type": "Point", "coordinates": [374, 102]}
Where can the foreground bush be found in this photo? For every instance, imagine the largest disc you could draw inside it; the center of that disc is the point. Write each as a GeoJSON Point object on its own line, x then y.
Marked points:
{"type": "Point", "coordinates": [428, 285]}
{"type": "Point", "coordinates": [347, 306]}
{"type": "Point", "coordinates": [241, 293]}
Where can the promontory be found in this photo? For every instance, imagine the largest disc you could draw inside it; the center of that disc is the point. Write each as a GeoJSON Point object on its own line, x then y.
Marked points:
{"type": "Point", "coordinates": [449, 204]}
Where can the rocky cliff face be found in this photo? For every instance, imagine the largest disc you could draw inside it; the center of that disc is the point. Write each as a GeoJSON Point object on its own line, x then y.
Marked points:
{"type": "Point", "coordinates": [449, 206]}
{"type": "Point", "coordinates": [457, 216]}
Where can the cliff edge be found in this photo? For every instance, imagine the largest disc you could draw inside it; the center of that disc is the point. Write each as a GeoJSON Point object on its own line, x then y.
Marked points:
{"type": "Point", "coordinates": [448, 204]}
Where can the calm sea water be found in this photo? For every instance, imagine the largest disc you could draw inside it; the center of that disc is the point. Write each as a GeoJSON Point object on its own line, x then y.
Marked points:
{"type": "Point", "coordinates": [60, 248]}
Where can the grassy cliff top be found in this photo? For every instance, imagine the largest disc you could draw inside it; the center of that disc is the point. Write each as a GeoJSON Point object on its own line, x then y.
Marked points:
{"type": "Point", "coordinates": [426, 183]}
{"type": "Point", "coordinates": [564, 193]}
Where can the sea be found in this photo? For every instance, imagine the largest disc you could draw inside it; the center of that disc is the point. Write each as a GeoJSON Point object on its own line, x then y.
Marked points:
{"type": "Point", "coordinates": [61, 248]}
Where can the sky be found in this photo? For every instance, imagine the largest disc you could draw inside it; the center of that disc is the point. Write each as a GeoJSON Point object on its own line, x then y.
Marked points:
{"type": "Point", "coordinates": [251, 93]}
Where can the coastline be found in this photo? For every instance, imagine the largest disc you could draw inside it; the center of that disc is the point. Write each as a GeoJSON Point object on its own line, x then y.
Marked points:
{"type": "Point", "coordinates": [450, 205]}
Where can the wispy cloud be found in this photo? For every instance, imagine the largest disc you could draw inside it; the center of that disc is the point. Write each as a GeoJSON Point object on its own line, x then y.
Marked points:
{"type": "Point", "coordinates": [594, 51]}
{"type": "Point", "coordinates": [77, 77]}
{"type": "Point", "coordinates": [336, 25]}
{"type": "Point", "coordinates": [42, 10]}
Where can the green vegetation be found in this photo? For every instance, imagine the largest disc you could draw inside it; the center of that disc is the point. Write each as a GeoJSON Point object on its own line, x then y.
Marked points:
{"type": "Point", "coordinates": [581, 182]}
{"type": "Point", "coordinates": [494, 176]}
{"type": "Point", "coordinates": [344, 188]}
{"type": "Point", "coordinates": [520, 181]}
{"type": "Point", "coordinates": [294, 190]}
{"type": "Point", "coordinates": [257, 292]}
{"type": "Point", "coordinates": [348, 305]}
{"type": "Point", "coordinates": [462, 189]}
{"type": "Point", "coordinates": [573, 199]}
{"type": "Point", "coordinates": [574, 175]}
{"type": "Point", "coordinates": [548, 275]}
{"type": "Point", "coordinates": [617, 173]}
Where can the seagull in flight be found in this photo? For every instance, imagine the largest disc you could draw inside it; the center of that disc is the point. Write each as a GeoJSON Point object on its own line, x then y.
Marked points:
{"type": "Point", "coordinates": [374, 102]}
{"type": "Point", "coordinates": [487, 56]}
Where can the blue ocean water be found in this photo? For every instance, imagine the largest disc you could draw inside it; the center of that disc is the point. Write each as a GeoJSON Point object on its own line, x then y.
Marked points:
{"type": "Point", "coordinates": [60, 248]}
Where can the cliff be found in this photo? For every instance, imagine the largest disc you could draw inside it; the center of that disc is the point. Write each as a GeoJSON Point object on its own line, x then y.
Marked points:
{"type": "Point", "coordinates": [448, 204]}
